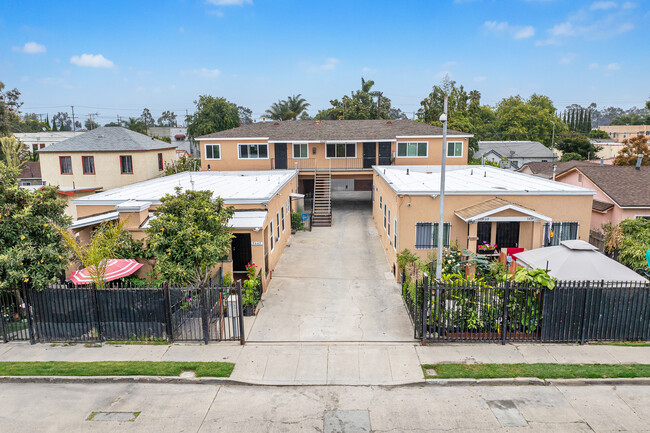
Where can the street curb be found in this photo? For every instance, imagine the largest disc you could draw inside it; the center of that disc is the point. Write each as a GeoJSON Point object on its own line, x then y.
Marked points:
{"type": "Point", "coordinates": [517, 381]}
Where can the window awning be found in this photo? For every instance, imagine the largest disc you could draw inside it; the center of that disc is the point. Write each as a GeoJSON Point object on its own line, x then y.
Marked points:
{"type": "Point", "coordinates": [486, 210]}
{"type": "Point", "coordinates": [94, 220]}
{"type": "Point", "coordinates": [253, 220]}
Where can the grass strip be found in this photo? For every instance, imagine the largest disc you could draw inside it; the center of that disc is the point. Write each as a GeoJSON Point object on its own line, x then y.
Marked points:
{"type": "Point", "coordinates": [542, 371]}
{"type": "Point", "coordinates": [115, 368]}
{"type": "Point", "coordinates": [621, 343]}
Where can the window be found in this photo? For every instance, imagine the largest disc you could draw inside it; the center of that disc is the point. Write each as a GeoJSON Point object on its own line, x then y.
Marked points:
{"type": "Point", "coordinates": [277, 218]}
{"type": "Point", "coordinates": [126, 164]}
{"type": "Point", "coordinates": [212, 151]}
{"type": "Point", "coordinates": [385, 208]}
{"type": "Point", "coordinates": [66, 164]}
{"type": "Point", "coordinates": [282, 218]}
{"type": "Point", "coordinates": [288, 206]}
{"type": "Point", "coordinates": [160, 162]}
{"type": "Point", "coordinates": [341, 150]}
{"type": "Point", "coordinates": [300, 150]}
{"type": "Point", "coordinates": [426, 235]}
{"type": "Point", "coordinates": [388, 230]}
{"type": "Point", "coordinates": [380, 202]}
{"type": "Point", "coordinates": [412, 150]}
{"type": "Point", "coordinates": [253, 151]}
{"type": "Point", "coordinates": [559, 231]}
{"type": "Point", "coordinates": [88, 163]}
{"type": "Point", "coordinates": [455, 148]}
{"type": "Point", "coordinates": [271, 230]}
{"type": "Point", "coordinates": [395, 234]}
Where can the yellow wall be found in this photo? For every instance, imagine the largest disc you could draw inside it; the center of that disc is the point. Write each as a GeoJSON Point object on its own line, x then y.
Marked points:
{"type": "Point", "coordinates": [230, 161]}
{"type": "Point", "coordinates": [107, 168]}
{"type": "Point", "coordinates": [425, 209]}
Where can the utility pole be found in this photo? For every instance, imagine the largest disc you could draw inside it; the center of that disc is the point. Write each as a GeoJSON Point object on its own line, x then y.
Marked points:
{"type": "Point", "coordinates": [74, 126]}
{"type": "Point", "coordinates": [379, 105]}
{"type": "Point", "coordinates": [553, 137]}
{"type": "Point", "coordinates": [441, 216]}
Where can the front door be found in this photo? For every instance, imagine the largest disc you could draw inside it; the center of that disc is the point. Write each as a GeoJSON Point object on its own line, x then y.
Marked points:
{"type": "Point", "coordinates": [369, 155]}
{"type": "Point", "coordinates": [384, 153]}
{"type": "Point", "coordinates": [241, 251]}
{"type": "Point", "coordinates": [507, 235]}
{"type": "Point", "coordinates": [281, 156]}
{"type": "Point", "coordinates": [484, 233]}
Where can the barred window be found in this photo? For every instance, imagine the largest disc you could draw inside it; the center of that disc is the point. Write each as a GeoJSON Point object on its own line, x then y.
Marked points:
{"type": "Point", "coordinates": [556, 232]}
{"type": "Point", "coordinates": [426, 235]}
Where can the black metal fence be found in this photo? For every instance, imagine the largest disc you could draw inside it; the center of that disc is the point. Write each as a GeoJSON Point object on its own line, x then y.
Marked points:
{"type": "Point", "coordinates": [122, 313]}
{"type": "Point", "coordinates": [571, 312]}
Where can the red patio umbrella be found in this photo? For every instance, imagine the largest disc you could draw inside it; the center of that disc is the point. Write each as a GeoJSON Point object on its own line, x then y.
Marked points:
{"type": "Point", "coordinates": [115, 268]}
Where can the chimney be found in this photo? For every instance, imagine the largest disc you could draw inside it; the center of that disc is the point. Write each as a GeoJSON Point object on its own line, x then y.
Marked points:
{"type": "Point", "coordinates": [602, 161]}
{"type": "Point", "coordinates": [639, 158]}
{"type": "Point", "coordinates": [554, 169]}
{"type": "Point", "coordinates": [407, 171]}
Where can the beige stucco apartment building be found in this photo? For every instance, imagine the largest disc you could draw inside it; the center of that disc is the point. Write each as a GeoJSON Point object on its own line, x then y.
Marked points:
{"type": "Point", "coordinates": [261, 223]}
{"type": "Point", "coordinates": [102, 159]}
{"type": "Point", "coordinates": [482, 204]}
{"type": "Point", "coordinates": [624, 132]}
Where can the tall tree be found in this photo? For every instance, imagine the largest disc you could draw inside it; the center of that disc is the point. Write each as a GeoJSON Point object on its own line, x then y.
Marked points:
{"type": "Point", "coordinates": [9, 109]}
{"type": "Point", "coordinates": [531, 119]}
{"type": "Point", "coordinates": [297, 105]}
{"type": "Point", "coordinates": [91, 124]}
{"type": "Point", "coordinates": [574, 142]}
{"type": "Point", "coordinates": [279, 111]}
{"type": "Point", "coordinates": [62, 121]}
{"type": "Point", "coordinates": [31, 250]}
{"type": "Point", "coordinates": [361, 104]}
{"type": "Point", "coordinates": [245, 114]}
{"type": "Point", "coordinates": [168, 118]}
{"type": "Point", "coordinates": [147, 118]}
{"type": "Point", "coordinates": [212, 115]}
{"type": "Point", "coordinates": [431, 107]}
{"type": "Point", "coordinates": [189, 236]}
{"type": "Point", "coordinates": [13, 152]}
{"type": "Point", "coordinates": [633, 147]}
{"type": "Point", "coordinates": [135, 124]}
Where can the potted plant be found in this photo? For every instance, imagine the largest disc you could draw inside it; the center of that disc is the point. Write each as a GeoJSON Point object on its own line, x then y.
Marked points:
{"type": "Point", "coordinates": [487, 248]}
{"type": "Point", "coordinates": [250, 292]}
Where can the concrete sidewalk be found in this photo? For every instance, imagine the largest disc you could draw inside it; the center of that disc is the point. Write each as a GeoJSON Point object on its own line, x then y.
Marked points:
{"type": "Point", "coordinates": [333, 363]}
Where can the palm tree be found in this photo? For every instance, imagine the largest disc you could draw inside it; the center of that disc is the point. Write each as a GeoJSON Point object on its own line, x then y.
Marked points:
{"type": "Point", "coordinates": [288, 109]}
{"type": "Point", "coordinates": [135, 124]}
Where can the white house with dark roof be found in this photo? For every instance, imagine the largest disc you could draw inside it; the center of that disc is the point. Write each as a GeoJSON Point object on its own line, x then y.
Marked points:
{"type": "Point", "coordinates": [514, 154]}
{"type": "Point", "coordinates": [102, 159]}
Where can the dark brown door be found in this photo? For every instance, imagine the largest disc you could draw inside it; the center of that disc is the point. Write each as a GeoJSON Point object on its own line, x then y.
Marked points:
{"type": "Point", "coordinates": [281, 156]}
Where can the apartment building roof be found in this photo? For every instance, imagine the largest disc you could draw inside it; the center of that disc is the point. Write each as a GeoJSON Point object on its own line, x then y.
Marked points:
{"type": "Point", "coordinates": [108, 139]}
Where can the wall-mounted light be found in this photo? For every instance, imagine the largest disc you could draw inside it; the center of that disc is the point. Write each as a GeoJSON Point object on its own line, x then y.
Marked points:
{"type": "Point", "coordinates": [313, 150]}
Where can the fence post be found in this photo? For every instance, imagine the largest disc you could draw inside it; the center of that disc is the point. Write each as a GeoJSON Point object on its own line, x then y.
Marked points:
{"type": "Point", "coordinates": [204, 313]}
{"type": "Point", "coordinates": [242, 336]}
{"type": "Point", "coordinates": [28, 312]}
{"type": "Point", "coordinates": [403, 276]}
{"type": "Point", "coordinates": [168, 313]}
{"type": "Point", "coordinates": [5, 338]}
{"type": "Point", "coordinates": [584, 314]}
{"type": "Point", "coordinates": [423, 291]}
{"type": "Point", "coordinates": [98, 319]}
{"type": "Point", "coordinates": [506, 297]}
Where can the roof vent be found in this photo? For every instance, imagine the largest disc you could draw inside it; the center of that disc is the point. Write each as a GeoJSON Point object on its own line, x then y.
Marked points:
{"type": "Point", "coordinates": [639, 159]}
{"type": "Point", "coordinates": [389, 123]}
{"type": "Point", "coordinates": [100, 136]}
{"type": "Point", "coordinates": [276, 123]}
{"type": "Point", "coordinates": [318, 122]}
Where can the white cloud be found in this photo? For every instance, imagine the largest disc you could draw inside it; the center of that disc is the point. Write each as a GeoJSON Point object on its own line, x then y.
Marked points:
{"type": "Point", "coordinates": [203, 72]}
{"type": "Point", "coordinates": [516, 32]}
{"type": "Point", "coordinates": [629, 5]}
{"type": "Point", "coordinates": [181, 30]}
{"type": "Point", "coordinates": [230, 2]}
{"type": "Point", "coordinates": [368, 70]}
{"type": "Point", "coordinates": [31, 48]}
{"type": "Point", "coordinates": [625, 27]}
{"type": "Point", "coordinates": [216, 13]}
{"type": "Point", "coordinates": [566, 59]}
{"type": "Point", "coordinates": [479, 79]}
{"type": "Point", "coordinates": [613, 67]}
{"type": "Point", "coordinates": [563, 29]}
{"type": "Point", "coordinates": [602, 5]}
{"type": "Point", "coordinates": [91, 61]}
{"type": "Point", "coordinates": [607, 68]}
{"type": "Point", "coordinates": [448, 65]}
{"type": "Point", "coordinates": [329, 64]}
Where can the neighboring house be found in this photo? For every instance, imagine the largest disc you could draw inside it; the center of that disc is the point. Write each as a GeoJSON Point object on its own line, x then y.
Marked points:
{"type": "Point", "coordinates": [514, 154]}
{"type": "Point", "coordinates": [102, 159]}
{"type": "Point", "coordinates": [621, 191]}
{"type": "Point", "coordinates": [609, 149]}
{"type": "Point", "coordinates": [178, 135]}
{"type": "Point", "coordinates": [482, 204]}
{"type": "Point", "coordinates": [330, 154]}
{"type": "Point", "coordinates": [30, 174]}
{"type": "Point", "coordinates": [39, 140]}
{"type": "Point", "coordinates": [261, 223]}
{"type": "Point", "coordinates": [547, 169]}
{"type": "Point", "coordinates": [623, 132]}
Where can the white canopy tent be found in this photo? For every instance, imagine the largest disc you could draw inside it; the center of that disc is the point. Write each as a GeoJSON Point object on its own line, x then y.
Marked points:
{"type": "Point", "coordinates": [577, 260]}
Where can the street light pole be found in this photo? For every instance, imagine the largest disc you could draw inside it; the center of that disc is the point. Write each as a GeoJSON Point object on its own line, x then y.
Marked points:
{"type": "Point", "coordinates": [553, 137]}
{"type": "Point", "coordinates": [441, 216]}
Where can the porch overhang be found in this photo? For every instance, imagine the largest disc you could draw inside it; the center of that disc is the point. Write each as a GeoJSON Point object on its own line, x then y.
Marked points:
{"type": "Point", "coordinates": [488, 211]}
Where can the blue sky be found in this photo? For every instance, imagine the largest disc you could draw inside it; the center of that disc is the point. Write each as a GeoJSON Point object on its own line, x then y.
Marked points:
{"type": "Point", "coordinates": [118, 57]}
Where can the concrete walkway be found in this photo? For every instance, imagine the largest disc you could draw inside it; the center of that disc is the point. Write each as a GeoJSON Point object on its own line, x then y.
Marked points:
{"type": "Point", "coordinates": [334, 284]}
{"type": "Point", "coordinates": [329, 363]}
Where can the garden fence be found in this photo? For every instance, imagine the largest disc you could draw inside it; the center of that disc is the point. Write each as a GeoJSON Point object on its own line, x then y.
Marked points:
{"type": "Point", "coordinates": [122, 313]}
{"type": "Point", "coordinates": [571, 312]}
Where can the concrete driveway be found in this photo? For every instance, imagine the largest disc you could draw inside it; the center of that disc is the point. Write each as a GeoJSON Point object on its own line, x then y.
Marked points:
{"type": "Point", "coordinates": [334, 284]}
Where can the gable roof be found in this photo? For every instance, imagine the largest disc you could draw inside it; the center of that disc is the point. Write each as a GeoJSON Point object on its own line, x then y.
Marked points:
{"type": "Point", "coordinates": [545, 169]}
{"type": "Point", "coordinates": [626, 185]}
{"type": "Point", "coordinates": [108, 139]}
{"type": "Point", "coordinates": [330, 130]}
{"type": "Point", "coordinates": [30, 170]}
{"type": "Point", "coordinates": [520, 149]}
{"type": "Point", "coordinates": [481, 211]}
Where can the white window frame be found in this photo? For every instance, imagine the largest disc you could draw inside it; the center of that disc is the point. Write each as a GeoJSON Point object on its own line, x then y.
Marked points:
{"type": "Point", "coordinates": [462, 145]}
{"type": "Point", "coordinates": [206, 151]}
{"type": "Point", "coordinates": [293, 150]}
{"type": "Point", "coordinates": [395, 234]}
{"type": "Point", "coordinates": [639, 216]}
{"type": "Point", "coordinates": [561, 229]}
{"type": "Point", "coordinates": [239, 145]}
{"type": "Point", "coordinates": [385, 209]}
{"type": "Point", "coordinates": [380, 202]}
{"type": "Point", "coordinates": [271, 232]}
{"type": "Point", "coordinates": [388, 229]}
{"type": "Point", "coordinates": [444, 241]}
{"type": "Point", "coordinates": [282, 219]}
{"type": "Point", "coordinates": [417, 143]}
{"type": "Point", "coordinates": [346, 150]}
{"type": "Point", "coordinates": [277, 220]}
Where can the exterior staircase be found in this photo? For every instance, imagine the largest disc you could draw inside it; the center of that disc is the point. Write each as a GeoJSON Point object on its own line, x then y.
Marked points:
{"type": "Point", "coordinates": [322, 216]}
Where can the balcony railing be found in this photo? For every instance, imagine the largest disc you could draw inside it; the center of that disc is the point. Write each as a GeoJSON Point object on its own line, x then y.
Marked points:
{"type": "Point", "coordinates": [309, 164]}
